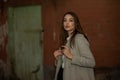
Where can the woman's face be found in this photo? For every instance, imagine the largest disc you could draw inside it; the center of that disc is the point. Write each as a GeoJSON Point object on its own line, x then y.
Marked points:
{"type": "Point", "coordinates": [69, 23]}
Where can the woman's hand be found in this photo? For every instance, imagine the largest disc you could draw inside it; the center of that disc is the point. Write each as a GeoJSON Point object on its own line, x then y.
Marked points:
{"type": "Point", "coordinates": [66, 51]}
{"type": "Point", "coordinates": [57, 53]}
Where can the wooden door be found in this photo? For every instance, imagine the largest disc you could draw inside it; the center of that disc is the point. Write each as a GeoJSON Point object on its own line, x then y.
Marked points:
{"type": "Point", "coordinates": [25, 42]}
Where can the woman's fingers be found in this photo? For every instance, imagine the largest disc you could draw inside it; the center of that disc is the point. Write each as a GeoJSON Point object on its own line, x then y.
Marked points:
{"type": "Point", "coordinates": [57, 53]}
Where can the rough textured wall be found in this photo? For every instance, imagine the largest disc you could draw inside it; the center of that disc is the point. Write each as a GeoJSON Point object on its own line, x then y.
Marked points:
{"type": "Point", "coordinates": [3, 32]}
{"type": "Point", "coordinates": [100, 21]}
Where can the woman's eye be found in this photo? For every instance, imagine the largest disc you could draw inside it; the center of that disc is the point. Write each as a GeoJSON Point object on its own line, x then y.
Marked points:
{"type": "Point", "coordinates": [68, 20]}
{"type": "Point", "coordinates": [64, 20]}
{"type": "Point", "coordinates": [71, 20]}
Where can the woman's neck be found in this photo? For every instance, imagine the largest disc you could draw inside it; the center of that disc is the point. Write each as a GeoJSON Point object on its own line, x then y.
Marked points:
{"type": "Point", "coordinates": [70, 33]}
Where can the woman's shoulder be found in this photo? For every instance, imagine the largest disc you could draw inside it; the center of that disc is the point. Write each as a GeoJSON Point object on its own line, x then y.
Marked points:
{"type": "Point", "coordinates": [78, 35]}
{"type": "Point", "coordinates": [80, 38]}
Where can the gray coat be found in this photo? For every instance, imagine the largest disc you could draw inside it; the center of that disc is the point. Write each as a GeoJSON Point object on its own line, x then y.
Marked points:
{"type": "Point", "coordinates": [80, 67]}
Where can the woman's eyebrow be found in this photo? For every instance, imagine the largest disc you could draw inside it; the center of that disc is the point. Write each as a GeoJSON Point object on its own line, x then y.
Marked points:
{"type": "Point", "coordinates": [69, 18]}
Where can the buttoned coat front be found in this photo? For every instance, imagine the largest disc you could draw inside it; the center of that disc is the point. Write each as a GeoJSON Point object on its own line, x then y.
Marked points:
{"type": "Point", "coordinates": [81, 66]}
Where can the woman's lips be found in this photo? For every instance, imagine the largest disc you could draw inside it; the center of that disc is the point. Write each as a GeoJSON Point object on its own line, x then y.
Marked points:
{"type": "Point", "coordinates": [67, 26]}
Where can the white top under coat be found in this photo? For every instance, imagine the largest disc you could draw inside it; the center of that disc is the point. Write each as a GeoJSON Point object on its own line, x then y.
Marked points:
{"type": "Point", "coordinates": [63, 56]}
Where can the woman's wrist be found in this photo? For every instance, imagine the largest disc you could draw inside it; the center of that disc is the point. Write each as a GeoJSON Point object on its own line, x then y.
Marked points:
{"type": "Point", "coordinates": [70, 56]}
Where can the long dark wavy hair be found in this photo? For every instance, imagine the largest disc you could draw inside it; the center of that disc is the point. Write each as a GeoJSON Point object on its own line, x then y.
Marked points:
{"type": "Point", "coordinates": [64, 33]}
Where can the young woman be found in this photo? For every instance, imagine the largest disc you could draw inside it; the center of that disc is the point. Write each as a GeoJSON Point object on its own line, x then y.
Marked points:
{"type": "Point", "coordinates": [74, 61]}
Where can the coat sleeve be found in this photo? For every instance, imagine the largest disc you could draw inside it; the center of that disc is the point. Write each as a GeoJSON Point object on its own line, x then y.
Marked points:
{"type": "Point", "coordinates": [84, 57]}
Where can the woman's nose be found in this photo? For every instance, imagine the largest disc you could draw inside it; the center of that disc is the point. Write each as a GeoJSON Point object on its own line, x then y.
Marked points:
{"type": "Point", "coordinates": [67, 22]}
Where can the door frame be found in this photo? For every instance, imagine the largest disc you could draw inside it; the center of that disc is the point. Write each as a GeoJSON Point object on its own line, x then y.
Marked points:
{"type": "Point", "coordinates": [11, 43]}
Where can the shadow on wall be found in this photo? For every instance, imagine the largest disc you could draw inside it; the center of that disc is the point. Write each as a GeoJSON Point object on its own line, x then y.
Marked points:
{"type": "Point", "coordinates": [106, 73]}
{"type": "Point", "coordinates": [49, 72]}
{"type": "Point", "coordinates": [102, 73]}
{"type": "Point", "coordinates": [5, 73]}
